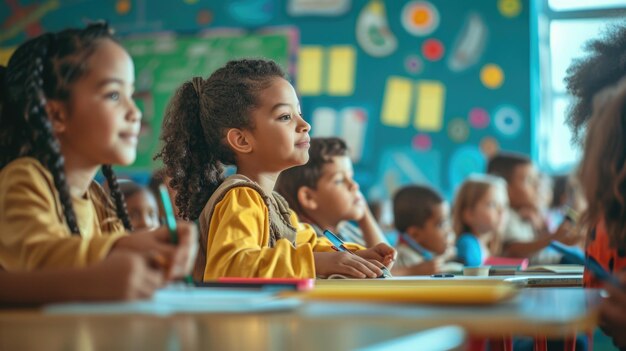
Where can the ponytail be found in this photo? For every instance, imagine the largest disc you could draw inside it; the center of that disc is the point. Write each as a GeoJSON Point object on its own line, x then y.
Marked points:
{"type": "Point", "coordinates": [190, 160]}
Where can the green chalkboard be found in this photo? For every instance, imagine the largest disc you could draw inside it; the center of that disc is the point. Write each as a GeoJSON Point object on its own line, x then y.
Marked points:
{"type": "Point", "coordinates": [163, 62]}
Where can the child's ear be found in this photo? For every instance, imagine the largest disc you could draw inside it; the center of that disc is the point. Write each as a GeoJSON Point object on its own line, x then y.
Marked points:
{"type": "Point", "coordinates": [307, 199]}
{"type": "Point", "coordinates": [57, 114]}
{"type": "Point", "coordinates": [238, 141]}
{"type": "Point", "coordinates": [414, 232]}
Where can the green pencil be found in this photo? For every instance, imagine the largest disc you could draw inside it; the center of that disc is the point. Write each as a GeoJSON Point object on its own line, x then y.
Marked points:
{"type": "Point", "coordinates": [170, 221]}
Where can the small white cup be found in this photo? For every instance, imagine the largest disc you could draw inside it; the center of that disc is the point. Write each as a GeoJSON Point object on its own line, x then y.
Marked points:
{"type": "Point", "coordinates": [480, 271]}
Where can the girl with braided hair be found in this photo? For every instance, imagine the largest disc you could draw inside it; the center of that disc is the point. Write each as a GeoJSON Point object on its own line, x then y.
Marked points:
{"type": "Point", "coordinates": [247, 114]}
{"type": "Point", "coordinates": [67, 111]}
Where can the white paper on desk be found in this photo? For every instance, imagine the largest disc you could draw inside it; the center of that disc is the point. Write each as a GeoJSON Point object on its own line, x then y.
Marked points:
{"type": "Point", "coordinates": [172, 300]}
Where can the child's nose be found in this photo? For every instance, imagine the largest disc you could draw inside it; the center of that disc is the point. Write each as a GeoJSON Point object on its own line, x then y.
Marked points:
{"type": "Point", "coordinates": [354, 185]}
{"type": "Point", "coordinates": [303, 126]}
{"type": "Point", "coordinates": [134, 113]}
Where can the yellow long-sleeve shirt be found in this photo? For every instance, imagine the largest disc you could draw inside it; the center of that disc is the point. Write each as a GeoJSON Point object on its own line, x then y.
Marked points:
{"type": "Point", "coordinates": [33, 232]}
{"type": "Point", "coordinates": [237, 241]}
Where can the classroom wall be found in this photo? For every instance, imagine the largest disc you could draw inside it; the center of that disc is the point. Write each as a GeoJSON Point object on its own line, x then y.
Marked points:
{"type": "Point", "coordinates": [423, 91]}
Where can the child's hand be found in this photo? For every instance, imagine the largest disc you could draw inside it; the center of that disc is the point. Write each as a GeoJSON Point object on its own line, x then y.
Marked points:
{"type": "Point", "coordinates": [381, 252]}
{"type": "Point", "coordinates": [366, 213]}
{"type": "Point", "coordinates": [327, 263]}
{"type": "Point", "coordinates": [566, 234]}
{"type": "Point", "coordinates": [534, 217]}
{"type": "Point", "coordinates": [123, 275]}
{"type": "Point", "coordinates": [613, 312]}
{"type": "Point", "coordinates": [175, 260]}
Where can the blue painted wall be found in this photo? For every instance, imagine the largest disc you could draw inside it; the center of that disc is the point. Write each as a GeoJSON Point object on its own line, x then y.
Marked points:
{"type": "Point", "coordinates": [391, 156]}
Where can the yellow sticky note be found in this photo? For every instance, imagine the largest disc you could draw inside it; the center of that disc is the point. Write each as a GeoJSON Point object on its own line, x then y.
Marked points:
{"type": "Point", "coordinates": [397, 102]}
{"type": "Point", "coordinates": [341, 61]}
{"type": "Point", "coordinates": [310, 62]}
{"type": "Point", "coordinates": [5, 55]}
{"type": "Point", "coordinates": [430, 96]}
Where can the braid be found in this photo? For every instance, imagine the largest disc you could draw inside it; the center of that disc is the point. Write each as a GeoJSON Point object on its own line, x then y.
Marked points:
{"type": "Point", "coordinates": [118, 197]}
{"type": "Point", "coordinates": [45, 142]}
{"type": "Point", "coordinates": [44, 68]}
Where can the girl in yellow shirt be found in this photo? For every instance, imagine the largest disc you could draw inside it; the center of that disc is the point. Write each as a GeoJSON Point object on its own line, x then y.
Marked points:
{"type": "Point", "coordinates": [248, 115]}
{"type": "Point", "coordinates": [67, 111]}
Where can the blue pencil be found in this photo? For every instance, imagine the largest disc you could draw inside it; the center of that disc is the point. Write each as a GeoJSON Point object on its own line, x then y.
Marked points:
{"type": "Point", "coordinates": [339, 244]}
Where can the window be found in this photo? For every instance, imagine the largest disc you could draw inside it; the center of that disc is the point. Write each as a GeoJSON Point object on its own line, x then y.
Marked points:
{"type": "Point", "coordinates": [563, 28]}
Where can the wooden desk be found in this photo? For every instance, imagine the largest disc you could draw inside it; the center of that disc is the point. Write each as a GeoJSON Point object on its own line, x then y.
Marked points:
{"type": "Point", "coordinates": [552, 312]}
{"type": "Point", "coordinates": [315, 326]}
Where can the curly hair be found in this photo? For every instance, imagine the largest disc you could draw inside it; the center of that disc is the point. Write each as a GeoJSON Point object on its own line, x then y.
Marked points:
{"type": "Point", "coordinates": [194, 127]}
{"type": "Point", "coordinates": [321, 152]}
{"type": "Point", "coordinates": [603, 167]}
{"type": "Point", "coordinates": [604, 66]}
{"type": "Point", "coordinates": [40, 69]}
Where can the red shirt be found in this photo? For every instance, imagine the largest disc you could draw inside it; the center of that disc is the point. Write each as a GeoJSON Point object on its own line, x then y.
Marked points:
{"type": "Point", "coordinates": [598, 247]}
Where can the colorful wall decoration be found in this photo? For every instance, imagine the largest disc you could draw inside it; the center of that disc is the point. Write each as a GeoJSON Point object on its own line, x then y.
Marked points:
{"type": "Point", "coordinates": [423, 91]}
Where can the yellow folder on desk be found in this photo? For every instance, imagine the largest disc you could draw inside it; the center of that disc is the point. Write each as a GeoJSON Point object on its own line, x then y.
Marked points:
{"type": "Point", "coordinates": [458, 292]}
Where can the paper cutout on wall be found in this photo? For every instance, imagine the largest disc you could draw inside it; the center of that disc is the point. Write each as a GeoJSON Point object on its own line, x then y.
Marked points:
{"type": "Point", "coordinates": [469, 44]}
{"type": "Point", "coordinates": [26, 18]}
{"type": "Point", "coordinates": [507, 121]}
{"type": "Point", "coordinates": [327, 8]}
{"type": "Point", "coordinates": [413, 64]}
{"type": "Point", "coordinates": [478, 118]}
{"type": "Point", "coordinates": [337, 65]}
{"type": "Point", "coordinates": [372, 30]}
{"type": "Point", "coordinates": [353, 128]}
{"type": "Point", "coordinates": [399, 167]}
{"type": "Point", "coordinates": [433, 50]}
{"type": "Point", "coordinates": [465, 161]}
{"type": "Point", "coordinates": [422, 142]}
{"type": "Point", "coordinates": [324, 122]}
{"type": "Point", "coordinates": [252, 12]}
{"type": "Point", "coordinates": [509, 8]}
{"type": "Point", "coordinates": [310, 61]}
{"type": "Point", "coordinates": [397, 102]}
{"type": "Point", "coordinates": [430, 96]}
{"type": "Point", "coordinates": [420, 18]}
{"type": "Point", "coordinates": [489, 147]}
{"type": "Point", "coordinates": [491, 76]}
{"type": "Point", "coordinates": [204, 17]}
{"type": "Point", "coordinates": [341, 61]}
{"type": "Point", "coordinates": [122, 7]}
{"type": "Point", "coordinates": [458, 130]}
{"type": "Point", "coordinates": [350, 124]}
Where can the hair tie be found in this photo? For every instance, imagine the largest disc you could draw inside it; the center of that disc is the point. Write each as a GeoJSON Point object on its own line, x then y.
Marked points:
{"type": "Point", "coordinates": [197, 83]}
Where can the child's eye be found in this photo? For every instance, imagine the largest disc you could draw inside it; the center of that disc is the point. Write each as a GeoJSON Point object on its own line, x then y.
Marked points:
{"type": "Point", "coordinates": [339, 181]}
{"type": "Point", "coordinates": [284, 118]}
{"type": "Point", "coordinates": [114, 96]}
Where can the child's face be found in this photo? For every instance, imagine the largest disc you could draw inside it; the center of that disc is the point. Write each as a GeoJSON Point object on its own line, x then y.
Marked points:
{"type": "Point", "coordinates": [523, 187]}
{"type": "Point", "coordinates": [337, 195]}
{"type": "Point", "coordinates": [487, 215]}
{"type": "Point", "coordinates": [143, 210]}
{"type": "Point", "coordinates": [100, 123]}
{"type": "Point", "coordinates": [434, 235]}
{"type": "Point", "coordinates": [280, 138]}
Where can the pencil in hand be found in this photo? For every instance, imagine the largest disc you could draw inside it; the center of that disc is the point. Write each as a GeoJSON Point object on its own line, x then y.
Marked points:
{"type": "Point", "coordinates": [170, 221]}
